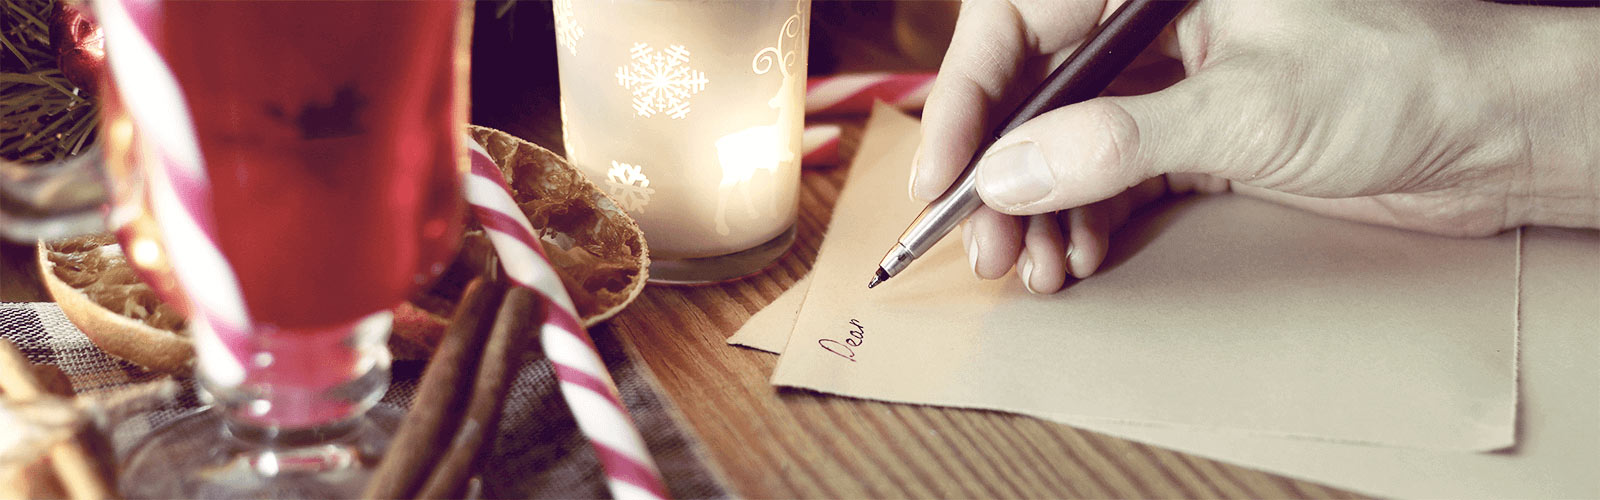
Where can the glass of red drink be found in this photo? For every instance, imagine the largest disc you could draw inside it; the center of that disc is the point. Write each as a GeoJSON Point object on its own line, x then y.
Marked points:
{"type": "Point", "coordinates": [326, 147]}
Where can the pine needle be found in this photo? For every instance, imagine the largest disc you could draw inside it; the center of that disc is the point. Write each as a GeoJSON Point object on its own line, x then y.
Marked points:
{"type": "Point", "coordinates": [43, 116]}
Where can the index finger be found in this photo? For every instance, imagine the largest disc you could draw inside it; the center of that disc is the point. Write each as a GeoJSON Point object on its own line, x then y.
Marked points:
{"type": "Point", "coordinates": [992, 40]}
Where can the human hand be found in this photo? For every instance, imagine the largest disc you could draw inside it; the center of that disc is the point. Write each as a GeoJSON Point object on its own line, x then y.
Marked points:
{"type": "Point", "coordinates": [1456, 118]}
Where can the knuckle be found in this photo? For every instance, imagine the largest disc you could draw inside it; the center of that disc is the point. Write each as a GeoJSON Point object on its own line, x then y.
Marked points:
{"type": "Point", "coordinates": [1115, 137]}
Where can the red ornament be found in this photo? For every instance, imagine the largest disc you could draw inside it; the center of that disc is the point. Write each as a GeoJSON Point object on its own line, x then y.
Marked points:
{"type": "Point", "coordinates": [79, 44]}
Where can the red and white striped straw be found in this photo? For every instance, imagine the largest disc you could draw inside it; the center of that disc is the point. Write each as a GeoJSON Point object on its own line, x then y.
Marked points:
{"type": "Point", "coordinates": [585, 384]}
{"type": "Point", "coordinates": [854, 93]}
{"type": "Point", "coordinates": [819, 145]}
{"type": "Point", "coordinates": [180, 195]}
{"type": "Point", "coordinates": [181, 204]}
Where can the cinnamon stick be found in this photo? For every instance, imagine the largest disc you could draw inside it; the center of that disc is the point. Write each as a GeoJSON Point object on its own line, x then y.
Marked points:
{"type": "Point", "coordinates": [519, 317]}
{"type": "Point", "coordinates": [446, 382]}
{"type": "Point", "coordinates": [83, 474]}
{"type": "Point", "coordinates": [52, 380]}
{"type": "Point", "coordinates": [17, 380]}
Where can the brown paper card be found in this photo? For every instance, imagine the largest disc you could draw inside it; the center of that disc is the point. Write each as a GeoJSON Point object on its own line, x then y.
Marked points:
{"type": "Point", "coordinates": [1213, 313]}
{"type": "Point", "coordinates": [1558, 449]}
{"type": "Point", "coordinates": [1556, 454]}
{"type": "Point", "coordinates": [768, 329]}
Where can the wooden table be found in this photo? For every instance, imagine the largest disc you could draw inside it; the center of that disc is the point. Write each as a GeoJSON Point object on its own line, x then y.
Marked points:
{"type": "Point", "coordinates": [789, 443]}
{"type": "Point", "coordinates": [785, 444]}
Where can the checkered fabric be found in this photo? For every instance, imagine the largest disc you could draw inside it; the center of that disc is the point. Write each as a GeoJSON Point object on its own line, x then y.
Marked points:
{"type": "Point", "coordinates": [538, 452]}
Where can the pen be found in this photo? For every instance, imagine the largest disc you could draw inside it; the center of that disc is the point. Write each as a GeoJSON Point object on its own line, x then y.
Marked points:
{"type": "Point", "coordinates": [1105, 52]}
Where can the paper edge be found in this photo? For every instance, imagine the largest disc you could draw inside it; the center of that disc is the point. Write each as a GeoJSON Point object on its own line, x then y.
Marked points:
{"type": "Point", "coordinates": [802, 287]}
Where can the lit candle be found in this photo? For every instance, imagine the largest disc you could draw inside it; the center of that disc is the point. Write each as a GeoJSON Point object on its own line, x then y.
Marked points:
{"type": "Point", "coordinates": [689, 114]}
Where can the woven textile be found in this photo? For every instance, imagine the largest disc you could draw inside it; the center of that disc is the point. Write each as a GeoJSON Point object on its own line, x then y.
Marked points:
{"type": "Point", "coordinates": [538, 452]}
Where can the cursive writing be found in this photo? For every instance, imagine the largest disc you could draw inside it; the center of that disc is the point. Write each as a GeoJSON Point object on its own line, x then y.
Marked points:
{"type": "Point", "coordinates": [846, 348]}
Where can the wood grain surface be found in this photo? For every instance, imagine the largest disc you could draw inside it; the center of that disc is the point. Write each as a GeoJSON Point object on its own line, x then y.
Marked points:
{"type": "Point", "coordinates": [795, 444]}
{"type": "Point", "coordinates": [791, 443]}
{"type": "Point", "coordinates": [798, 444]}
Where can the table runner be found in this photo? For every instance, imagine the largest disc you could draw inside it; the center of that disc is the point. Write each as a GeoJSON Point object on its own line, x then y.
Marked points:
{"type": "Point", "coordinates": [538, 451]}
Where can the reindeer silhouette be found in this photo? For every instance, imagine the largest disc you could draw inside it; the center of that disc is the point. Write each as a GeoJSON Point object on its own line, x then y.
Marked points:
{"type": "Point", "coordinates": [763, 147]}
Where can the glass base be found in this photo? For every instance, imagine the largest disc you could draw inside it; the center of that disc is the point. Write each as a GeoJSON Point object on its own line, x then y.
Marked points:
{"type": "Point", "coordinates": [202, 456]}
{"type": "Point", "coordinates": [721, 268]}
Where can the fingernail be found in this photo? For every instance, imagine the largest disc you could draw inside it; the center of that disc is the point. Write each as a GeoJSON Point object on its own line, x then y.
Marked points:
{"type": "Point", "coordinates": [1067, 259]}
{"type": "Point", "coordinates": [1015, 175]}
{"type": "Point", "coordinates": [1025, 271]}
{"type": "Point", "coordinates": [972, 247]}
{"type": "Point", "coordinates": [1077, 265]}
{"type": "Point", "coordinates": [916, 169]}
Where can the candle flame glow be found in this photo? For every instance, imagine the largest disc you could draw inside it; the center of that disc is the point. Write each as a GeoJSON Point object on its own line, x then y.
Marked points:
{"type": "Point", "coordinates": [145, 253]}
{"type": "Point", "coordinates": [742, 154]}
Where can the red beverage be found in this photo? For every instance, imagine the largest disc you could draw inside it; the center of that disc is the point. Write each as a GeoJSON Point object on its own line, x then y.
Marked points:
{"type": "Point", "coordinates": [331, 138]}
{"type": "Point", "coordinates": [330, 133]}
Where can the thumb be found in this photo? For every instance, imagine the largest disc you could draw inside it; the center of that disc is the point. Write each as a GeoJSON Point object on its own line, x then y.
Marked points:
{"type": "Point", "coordinates": [1093, 150]}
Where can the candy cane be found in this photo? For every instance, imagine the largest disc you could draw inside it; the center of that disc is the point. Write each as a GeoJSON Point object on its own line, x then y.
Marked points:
{"type": "Point", "coordinates": [851, 94]}
{"type": "Point", "coordinates": [819, 145]}
{"type": "Point", "coordinates": [585, 384]}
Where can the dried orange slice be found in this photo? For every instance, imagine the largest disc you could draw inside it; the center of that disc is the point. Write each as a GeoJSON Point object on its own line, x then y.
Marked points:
{"type": "Point", "coordinates": [598, 251]}
{"type": "Point", "coordinates": [90, 279]}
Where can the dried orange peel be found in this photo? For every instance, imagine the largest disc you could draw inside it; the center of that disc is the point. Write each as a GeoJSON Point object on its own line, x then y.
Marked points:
{"type": "Point", "coordinates": [598, 251]}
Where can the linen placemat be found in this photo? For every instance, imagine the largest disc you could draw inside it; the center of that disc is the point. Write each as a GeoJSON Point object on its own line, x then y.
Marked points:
{"type": "Point", "coordinates": [538, 452]}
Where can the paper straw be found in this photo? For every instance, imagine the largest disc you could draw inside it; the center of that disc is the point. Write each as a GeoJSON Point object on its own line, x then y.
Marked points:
{"type": "Point", "coordinates": [180, 200]}
{"type": "Point", "coordinates": [585, 384]}
{"type": "Point", "coordinates": [820, 145]}
{"type": "Point", "coordinates": [854, 93]}
{"type": "Point", "coordinates": [180, 194]}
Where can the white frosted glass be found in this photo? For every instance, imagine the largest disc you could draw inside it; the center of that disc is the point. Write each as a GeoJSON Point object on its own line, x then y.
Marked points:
{"type": "Point", "coordinates": [689, 114]}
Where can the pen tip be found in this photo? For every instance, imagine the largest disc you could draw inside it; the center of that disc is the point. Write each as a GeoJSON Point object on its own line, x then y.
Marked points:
{"type": "Point", "coordinates": [878, 278]}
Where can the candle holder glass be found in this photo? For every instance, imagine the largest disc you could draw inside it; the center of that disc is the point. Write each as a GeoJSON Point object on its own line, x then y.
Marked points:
{"type": "Point", "coordinates": [689, 115]}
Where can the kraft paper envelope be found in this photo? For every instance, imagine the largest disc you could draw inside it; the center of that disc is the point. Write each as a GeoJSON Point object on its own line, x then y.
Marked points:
{"type": "Point", "coordinates": [1556, 455]}
{"type": "Point", "coordinates": [1213, 313]}
{"type": "Point", "coordinates": [1558, 447]}
{"type": "Point", "coordinates": [768, 329]}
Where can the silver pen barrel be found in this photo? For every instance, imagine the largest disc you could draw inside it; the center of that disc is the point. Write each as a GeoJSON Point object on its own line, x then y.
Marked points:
{"type": "Point", "coordinates": [1104, 53]}
{"type": "Point", "coordinates": [936, 221]}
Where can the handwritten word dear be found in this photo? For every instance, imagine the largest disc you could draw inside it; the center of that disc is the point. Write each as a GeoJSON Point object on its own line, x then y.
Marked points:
{"type": "Point", "coordinates": [846, 348]}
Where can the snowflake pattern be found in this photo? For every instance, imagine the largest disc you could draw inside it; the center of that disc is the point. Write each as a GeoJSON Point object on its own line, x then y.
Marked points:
{"type": "Point", "coordinates": [628, 185]}
{"type": "Point", "coordinates": [661, 81]}
{"type": "Point", "coordinates": [567, 30]}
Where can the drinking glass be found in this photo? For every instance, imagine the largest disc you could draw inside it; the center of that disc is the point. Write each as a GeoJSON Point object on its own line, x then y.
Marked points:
{"type": "Point", "coordinates": [689, 114]}
{"type": "Point", "coordinates": [287, 172]}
